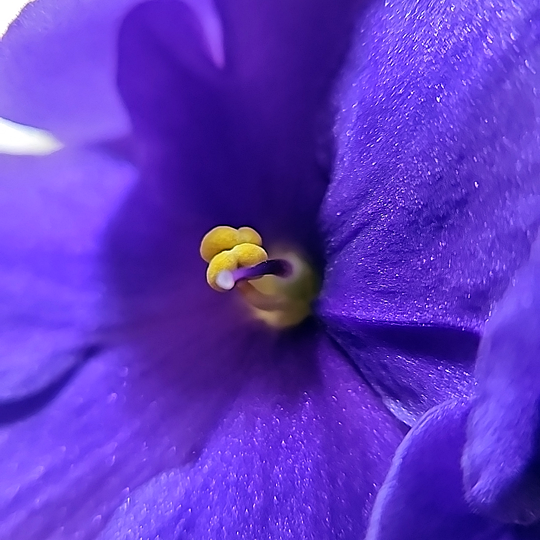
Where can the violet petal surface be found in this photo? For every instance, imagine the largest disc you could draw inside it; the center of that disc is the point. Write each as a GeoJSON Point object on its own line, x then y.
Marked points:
{"type": "Point", "coordinates": [300, 454]}
{"type": "Point", "coordinates": [301, 427]}
{"type": "Point", "coordinates": [55, 210]}
{"type": "Point", "coordinates": [435, 197]}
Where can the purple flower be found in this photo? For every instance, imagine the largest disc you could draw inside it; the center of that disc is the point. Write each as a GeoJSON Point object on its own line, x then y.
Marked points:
{"type": "Point", "coordinates": [125, 371]}
{"type": "Point", "coordinates": [470, 469]}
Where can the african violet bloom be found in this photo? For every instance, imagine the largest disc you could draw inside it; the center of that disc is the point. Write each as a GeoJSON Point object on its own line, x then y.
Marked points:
{"type": "Point", "coordinates": [135, 374]}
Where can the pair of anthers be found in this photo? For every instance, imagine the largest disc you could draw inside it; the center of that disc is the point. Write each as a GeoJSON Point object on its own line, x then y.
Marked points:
{"type": "Point", "coordinates": [278, 291]}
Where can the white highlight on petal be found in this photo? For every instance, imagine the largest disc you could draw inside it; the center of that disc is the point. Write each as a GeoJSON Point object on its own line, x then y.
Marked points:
{"type": "Point", "coordinates": [9, 10]}
{"type": "Point", "coordinates": [26, 140]}
{"type": "Point", "coordinates": [16, 138]}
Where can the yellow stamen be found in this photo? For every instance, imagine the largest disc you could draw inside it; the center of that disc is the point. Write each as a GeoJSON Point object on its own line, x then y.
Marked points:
{"type": "Point", "coordinates": [223, 237]}
{"type": "Point", "coordinates": [279, 301]}
{"type": "Point", "coordinates": [239, 256]}
{"type": "Point", "coordinates": [249, 236]}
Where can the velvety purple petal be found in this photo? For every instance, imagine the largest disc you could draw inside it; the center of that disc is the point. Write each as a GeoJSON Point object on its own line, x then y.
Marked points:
{"type": "Point", "coordinates": [502, 456]}
{"type": "Point", "coordinates": [300, 454]}
{"type": "Point", "coordinates": [57, 64]}
{"type": "Point", "coordinates": [240, 144]}
{"type": "Point", "coordinates": [435, 195]}
{"type": "Point", "coordinates": [123, 418]}
{"type": "Point", "coordinates": [422, 496]}
{"type": "Point", "coordinates": [54, 211]}
{"type": "Point", "coordinates": [65, 469]}
{"type": "Point", "coordinates": [151, 510]}
{"type": "Point", "coordinates": [413, 368]}
{"type": "Point", "coordinates": [137, 409]}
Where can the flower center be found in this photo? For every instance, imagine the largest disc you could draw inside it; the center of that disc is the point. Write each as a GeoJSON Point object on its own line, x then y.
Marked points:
{"type": "Point", "coordinates": [279, 291]}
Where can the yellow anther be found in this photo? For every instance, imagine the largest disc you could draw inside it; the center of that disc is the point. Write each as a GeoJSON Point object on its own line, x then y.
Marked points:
{"type": "Point", "coordinates": [281, 300]}
{"type": "Point", "coordinates": [249, 254]}
{"type": "Point", "coordinates": [231, 259]}
{"type": "Point", "coordinates": [224, 237]}
{"type": "Point", "coordinates": [217, 240]}
{"type": "Point", "coordinates": [226, 260]}
{"type": "Point", "coordinates": [248, 235]}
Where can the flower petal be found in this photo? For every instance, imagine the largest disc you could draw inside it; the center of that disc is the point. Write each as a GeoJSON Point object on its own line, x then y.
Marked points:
{"type": "Point", "coordinates": [422, 496]}
{"type": "Point", "coordinates": [284, 56]}
{"type": "Point", "coordinates": [66, 468]}
{"type": "Point", "coordinates": [127, 415]}
{"type": "Point", "coordinates": [502, 456]}
{"type": "Point", "coordinates": [300, 455]}
{"type": "Point", "coordinates": [57, 69]}
{"type": "Point", "coordinates": [53, 210]}
{"type": "Point", "coordinates": [435, 195]}
{"type": "Point", "coordinates": [244, 141]}
{"type": "Point", "coordinates": [413, 368]}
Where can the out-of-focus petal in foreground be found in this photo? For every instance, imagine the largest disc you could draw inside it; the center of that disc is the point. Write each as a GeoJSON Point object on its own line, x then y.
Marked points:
{"type": "Point", "coordinates": [422, 497]}
{"type": "Point", "coordinates": [502, 456]}
{"type": "Point", "coordinates": [301, 414]}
